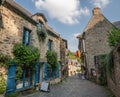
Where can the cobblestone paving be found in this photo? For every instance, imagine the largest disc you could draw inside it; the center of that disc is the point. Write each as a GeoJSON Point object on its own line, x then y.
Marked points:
{"type": "Point", "coordinates": [73, 87]}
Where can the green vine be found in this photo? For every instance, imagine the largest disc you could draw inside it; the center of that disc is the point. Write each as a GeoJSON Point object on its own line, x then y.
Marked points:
{"type": "Point", "coordinates": [2, 84]}
{"type": "Point", "coordinates": [52, 59]}
{"type": "Point", "coordinates": [19, 72]}
{"type": "Point", "coordinates": [114, 37]}
{"type": "Point", "coordinates": [42, 34]}
{"type": "Point", "coordinates": [25, 54]}
{"type": "Point", "coordinates": [102, 69]}
{"type": "Point", "coordinates": [110, 65]}
{"type": "Point", "coordinates": [4, 60]}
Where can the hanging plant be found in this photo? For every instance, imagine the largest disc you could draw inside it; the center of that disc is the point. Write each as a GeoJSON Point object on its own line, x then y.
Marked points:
{"type": "Point", "coordinates": [25, 54]}
{"type": "Point", "coordinates": [4, 60]}
{"type": "Point", "coordinates": [42, 34]}
{"type": "Point", "coordinates": [52, 59]}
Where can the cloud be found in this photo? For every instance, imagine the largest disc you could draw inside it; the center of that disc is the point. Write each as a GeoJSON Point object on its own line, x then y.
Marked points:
{"type": "Point", "coordinates": [100, 3]}
{"type": "Point", "coordinates": [76, 34]}
{"type": "Point", "coordinates": [65, 11]}
{"type": "Point", "coordinates": [33, 0]}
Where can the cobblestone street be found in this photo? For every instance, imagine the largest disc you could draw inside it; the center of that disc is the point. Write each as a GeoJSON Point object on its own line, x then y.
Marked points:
{"type": "Point", "coordinates": [73, 87]}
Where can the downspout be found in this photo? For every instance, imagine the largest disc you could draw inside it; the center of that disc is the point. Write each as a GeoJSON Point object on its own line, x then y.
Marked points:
{"type": "Point", "coordinates": [85, 55]}
{"type": "Point", "coordinates": [84, 49]}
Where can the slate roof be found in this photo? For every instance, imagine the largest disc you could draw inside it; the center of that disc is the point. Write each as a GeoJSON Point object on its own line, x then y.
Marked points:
{"type": "Point", "coordinates": [50, 30]}
{"type": "Point", "coordinates": [117, 24]}
{"type": "Point", "coordinates": [41, 14]}
{"type": "Point", "coordinates": [26, 14]}
{"type": "Point", "coordinates": [13, 5]}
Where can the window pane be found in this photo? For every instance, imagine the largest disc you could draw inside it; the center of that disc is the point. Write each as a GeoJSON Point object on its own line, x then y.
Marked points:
{"type": "Point", "coordinates": [50, 45]}
{"type": "Point", "coordinates": [39, 25]}
{"type": "Point", "coordinates": [26, 37]}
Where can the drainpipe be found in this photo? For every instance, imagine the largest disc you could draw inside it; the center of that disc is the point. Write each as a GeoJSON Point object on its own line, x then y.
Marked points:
{"type": "Point", "coordinates": [85, 56]}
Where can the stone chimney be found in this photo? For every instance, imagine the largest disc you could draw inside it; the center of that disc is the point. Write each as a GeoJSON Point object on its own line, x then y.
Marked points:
{"type": "Point", "coordinates": [96, 11]}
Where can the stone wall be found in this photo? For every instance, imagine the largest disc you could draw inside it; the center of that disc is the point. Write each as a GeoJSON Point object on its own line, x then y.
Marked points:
{"type": "Point", "coordinates": [114, 84]}
{"type": "Point", "coordinates": [44, 47]}
{"type": "Point", "coordinates": [96, 37]}
{"type": "Point", "coordinates": [51, 35]}
{"type": "Point", "coordinates": [12, 32]}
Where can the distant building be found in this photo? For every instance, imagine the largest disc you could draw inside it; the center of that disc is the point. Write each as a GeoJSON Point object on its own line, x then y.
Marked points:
{"type": "Point", "coordinates": [94, 39]}
{"type": "Point", "coordinates": [64, 57]}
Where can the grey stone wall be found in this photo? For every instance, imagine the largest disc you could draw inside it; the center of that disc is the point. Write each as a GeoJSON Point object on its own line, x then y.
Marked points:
{"type": "Point", "coordinates": [114, 84]}
{"type": "Point", "coordinates": [96, 38]}
{"type": "Point", "coordinates": [44, 47]}
{"type": "Point", "coordinates": [44, 44]}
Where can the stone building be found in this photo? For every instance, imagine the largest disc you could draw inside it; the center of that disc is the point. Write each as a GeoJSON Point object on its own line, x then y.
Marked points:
{"type": "Point", "coordinates": [113, 78]}
{"type": "Point", "coordinates": [64, 57]}
{"type": "Point", "coordinates": [52, 42]}
{"type": "Point", "coordinates": [94, 39]}
{"type": "Point", "coordinates": [17, 25]}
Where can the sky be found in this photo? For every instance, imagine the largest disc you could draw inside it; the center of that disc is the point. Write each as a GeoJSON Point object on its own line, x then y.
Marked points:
{"type": "Point", "coordinates": [70, 17]}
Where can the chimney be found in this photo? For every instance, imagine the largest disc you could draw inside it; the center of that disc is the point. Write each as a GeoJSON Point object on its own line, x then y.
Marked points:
{"type": "Point", "coordinates": [96, 11]}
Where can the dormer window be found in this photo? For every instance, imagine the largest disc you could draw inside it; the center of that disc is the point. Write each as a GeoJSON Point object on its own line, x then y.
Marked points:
{"type": "Point", "coordinates": [40, 25]}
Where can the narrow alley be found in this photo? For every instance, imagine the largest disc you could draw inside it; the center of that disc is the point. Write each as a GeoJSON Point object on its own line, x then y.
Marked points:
{"type": "Point", "coordinates": [73, 87]}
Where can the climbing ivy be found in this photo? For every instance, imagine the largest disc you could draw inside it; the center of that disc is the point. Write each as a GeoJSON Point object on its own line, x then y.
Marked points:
{"type": "Point", "coordinates": [25, 54]}
{"type": "Point", "coordinates": [52, 59]}
{"type": "Point", "coordinates": [2, 84]}
{"type": "Point", "coordinates": [110, 65]}
{"type": "Point", "coordinates": [42, 34]}
{"type": "Point", "coordinates": [4, 60]}
{"type": "Point", "coordinates": [114, 37]}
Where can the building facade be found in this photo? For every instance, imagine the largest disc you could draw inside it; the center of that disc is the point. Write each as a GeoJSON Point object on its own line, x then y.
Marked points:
{"type": "Point", "coordinates": [94, 40]}
{"type": "Point", "coordinates": [17, 25]}
{"type": "Point", "coordinates": [64, 58]}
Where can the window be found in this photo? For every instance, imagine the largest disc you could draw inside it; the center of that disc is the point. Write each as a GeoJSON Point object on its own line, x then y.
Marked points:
{"type": "Point", "coordinates": [40, 25]}
{"type": "Point", "coordinates": [1, 23]}
{"type": "Point", "coordinates": [49, 44]}
{"type": "Point", "coordinates": [26, 36]}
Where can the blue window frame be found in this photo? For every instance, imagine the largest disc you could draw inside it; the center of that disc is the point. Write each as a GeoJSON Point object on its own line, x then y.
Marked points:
{"type": "Point", "coordinates": [39, 25]}
{"type": "Point", "coordinates": [26, 36]}
{"type": "Point", "coordinates": [49, 44]}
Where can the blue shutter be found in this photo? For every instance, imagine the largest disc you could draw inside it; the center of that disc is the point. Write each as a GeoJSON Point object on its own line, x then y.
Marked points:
{"type": "Point", "coordinates": [37, 72]}
{"type": "Point", "coordinates": [45, 71]}
{"type": "Point", "coordinates": [31, 76]}
{"type": "Point", "coordinates": [24, 77]}
{"type": "Point", "coordinates": [58, 71]}
{"type": "Point", "coordinates": [11, 86]}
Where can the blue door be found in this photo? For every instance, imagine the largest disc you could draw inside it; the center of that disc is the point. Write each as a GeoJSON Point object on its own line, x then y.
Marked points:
{"type": "Point", "coordinates": [46, 71]}
{"type": "Point", "coordinates": [57, 75]}
{"type": "Point", "coordinates": [11, 79]}
{"type": "Point", "coordinates": [37, 73]}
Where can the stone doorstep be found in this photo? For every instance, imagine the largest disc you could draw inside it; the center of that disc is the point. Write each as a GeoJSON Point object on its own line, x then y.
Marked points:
{"type": "Point", "coordinates": [55, 81]}
{"type": "Point", "coordinates": [1, 95]}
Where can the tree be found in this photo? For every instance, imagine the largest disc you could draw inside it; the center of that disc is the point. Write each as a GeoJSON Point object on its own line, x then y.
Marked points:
{"type": "Point", "coordinates": [114, 37]}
